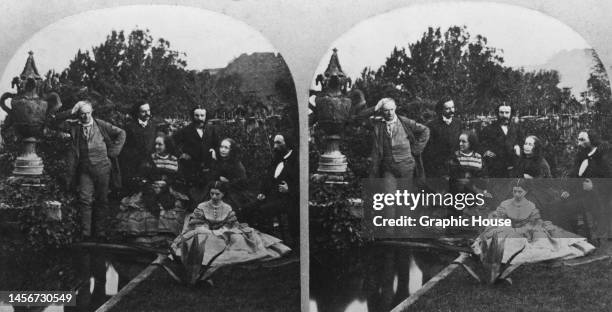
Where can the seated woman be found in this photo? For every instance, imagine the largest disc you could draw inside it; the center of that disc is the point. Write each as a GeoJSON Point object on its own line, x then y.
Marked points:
{"type": "Point", "coordinates": [540, 239]}
{"type": "Point", "coordinates": [467, 172]}
{"type": "Point", "coordinates": [158, 208]}
{"type": "Point", "coordinates": [219, 233]}
{"type": "Point", "coordinates": [228, 168]}
{"type": "Point", "coordinates": [532, 164]}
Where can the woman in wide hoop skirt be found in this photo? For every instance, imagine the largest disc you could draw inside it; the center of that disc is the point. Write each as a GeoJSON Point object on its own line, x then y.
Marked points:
{"type": "Point", "coordinates": [222, 236]}
{"type": "Point", "coordinates": [540, 239]}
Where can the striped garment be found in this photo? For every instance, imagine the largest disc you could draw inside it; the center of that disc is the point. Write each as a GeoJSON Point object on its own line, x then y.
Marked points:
{"type": "Point", "coordinates": [472, 161]}
{"type": "Point", "coordinates": [167, 163]}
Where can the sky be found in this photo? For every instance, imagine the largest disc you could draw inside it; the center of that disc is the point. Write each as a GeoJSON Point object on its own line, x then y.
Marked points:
{"type": "Point", "coordinates": [209, 39]}
{"type": "Point", "coordinates": [527, 37]}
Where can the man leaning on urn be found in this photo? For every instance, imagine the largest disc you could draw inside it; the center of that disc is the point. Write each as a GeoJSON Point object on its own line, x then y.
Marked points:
{"type": "Point", "coordinates": [94, 143]}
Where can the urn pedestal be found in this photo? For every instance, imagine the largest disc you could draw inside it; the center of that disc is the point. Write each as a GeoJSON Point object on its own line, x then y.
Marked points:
{"type": "Point", "coordinates": [332, 160]}
{"type": "Point", "coordinates": [28, 163]}
{"type": "Point", "coordinates": [333, 114]}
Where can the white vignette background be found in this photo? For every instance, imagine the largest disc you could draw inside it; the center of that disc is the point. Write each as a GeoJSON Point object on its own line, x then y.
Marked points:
{"type": "Point", "coordinates": [302, 31]}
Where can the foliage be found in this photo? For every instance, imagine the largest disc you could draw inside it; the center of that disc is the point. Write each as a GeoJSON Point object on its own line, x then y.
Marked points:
{"type": "Point", "coordinates": [133, 68]}
{"type": "Point", "coordinates": [599, 86]}
{"type": "Point", "coordinates": [464, 67]}
{"type": "Point", "coordinates": [129, 69]}
{"type": "Point", "coordinates": [335, 221]}
{"type": "Point", "coordinates": [28, 270]}
{"type": "Point", "coordinates": [40, 231]}
{"type": "Point", "coordinates": [491, 269]}
{"type": "Point", "coordinates": [190, 267]}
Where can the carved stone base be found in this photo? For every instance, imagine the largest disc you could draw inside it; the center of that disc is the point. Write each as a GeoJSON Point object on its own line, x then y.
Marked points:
{"type": "Point", "coordinates": [24, 180]}
{"type": "Point", "coordinates": [332, 163]}
{"type": "Point", "coordinates": [28, 163]}
{"type": "Point", "coordinates": [332, 178]}
{"type": "Point", "coordinates": [332, 160]}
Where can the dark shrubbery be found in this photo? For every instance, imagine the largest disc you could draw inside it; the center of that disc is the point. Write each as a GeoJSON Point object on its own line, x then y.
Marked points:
{"type": "Point", "coordinates": [40, 232]}
{"type": "Point", "coordinates": [335, 220]}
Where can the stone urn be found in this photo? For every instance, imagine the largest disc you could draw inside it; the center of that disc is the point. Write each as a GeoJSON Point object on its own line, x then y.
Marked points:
{"type": "Point", "coordinates": [332, 116]}
{"type": "Point", "coordinates": [333, 111]}
{"type": "Point", "coordinates": [27, 114]}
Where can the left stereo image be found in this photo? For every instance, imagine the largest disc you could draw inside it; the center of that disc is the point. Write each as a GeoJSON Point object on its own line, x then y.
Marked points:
{"type": "Point", "coordinates": [149, 162]}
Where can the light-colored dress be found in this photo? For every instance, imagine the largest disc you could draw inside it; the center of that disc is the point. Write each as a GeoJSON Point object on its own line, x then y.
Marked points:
{"type": "Point", "coordinates": [542, 240]}
{"type": "Point", "coordinates": [218, 231]}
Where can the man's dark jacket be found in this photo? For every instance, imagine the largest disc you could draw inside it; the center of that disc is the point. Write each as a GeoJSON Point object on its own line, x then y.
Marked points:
{"type": "Point", "coordinates": [492, 138]}
{"type": "Point", "coordinates": [442, 144]}
{"type": "Point", "coordinates": [598, 170]}
{"type": "Point", "coordinates": [289, 174]}
{"type": "Point", "coordinates": [114, 138]}
{"type": "Point", "coordinates": [418, 135]}
{"type": "Point", "coordinates": [139, 145]}
{"type": "Point", "coordinates": [189, 142]}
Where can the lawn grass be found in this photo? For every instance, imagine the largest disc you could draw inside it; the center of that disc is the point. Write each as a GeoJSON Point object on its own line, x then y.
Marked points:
{"type": "Point", "coordinates": [536, 287]}
{"type": "Point", "coordinates": [236, 288]}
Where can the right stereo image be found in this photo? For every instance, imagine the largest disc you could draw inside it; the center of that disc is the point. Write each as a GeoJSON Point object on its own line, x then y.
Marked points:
{"type": "Point", "coordinates": [460, 160]}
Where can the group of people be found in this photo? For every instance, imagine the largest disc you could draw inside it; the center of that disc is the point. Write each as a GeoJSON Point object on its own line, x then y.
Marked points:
{"type": "Point", "coordinates": [404, 150]}
{"type": "Point", "coordinates": [444, 148]}
{"type": "Point", "coordinates": [164, 176]}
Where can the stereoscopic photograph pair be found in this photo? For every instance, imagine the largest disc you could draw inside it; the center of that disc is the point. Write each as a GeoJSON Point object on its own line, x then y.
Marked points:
{"type": "Point", "coordinates": [447, 156]}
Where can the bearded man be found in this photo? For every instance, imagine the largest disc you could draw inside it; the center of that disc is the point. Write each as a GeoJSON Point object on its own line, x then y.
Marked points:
{"type": "Point", "coordinates": [279, 191]}
{"type": "Point", "coordinates": [501, 143]}
{"type": "Point", "coordinates": [196, 145]}
{"type": "Point", "coordinates": [588, 192]}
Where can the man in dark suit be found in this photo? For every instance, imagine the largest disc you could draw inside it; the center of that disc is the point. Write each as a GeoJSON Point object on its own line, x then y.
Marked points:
{"type": "Point", "coordinates": [140, 137]}
{"type": "Point", "coordinates": [588, 191]}
{"type": "Point", "coordinates": [501, 143]}
{"type": "Point", "coordinates": [94, 143]}
{"type": "Point", "coordinates": [196, 145]}
{"type": "Point", "coordinates": [279, 192]}
{"type": "Point", "coordinates": [443, 139]}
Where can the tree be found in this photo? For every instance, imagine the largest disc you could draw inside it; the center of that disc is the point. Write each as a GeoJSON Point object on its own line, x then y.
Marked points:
{"type": "Point", "coordinates": [461, 66]}
{"type": "Point", "coordinates": [598, 85]}
{"type": "Point", "coordinates": [127, 70]}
